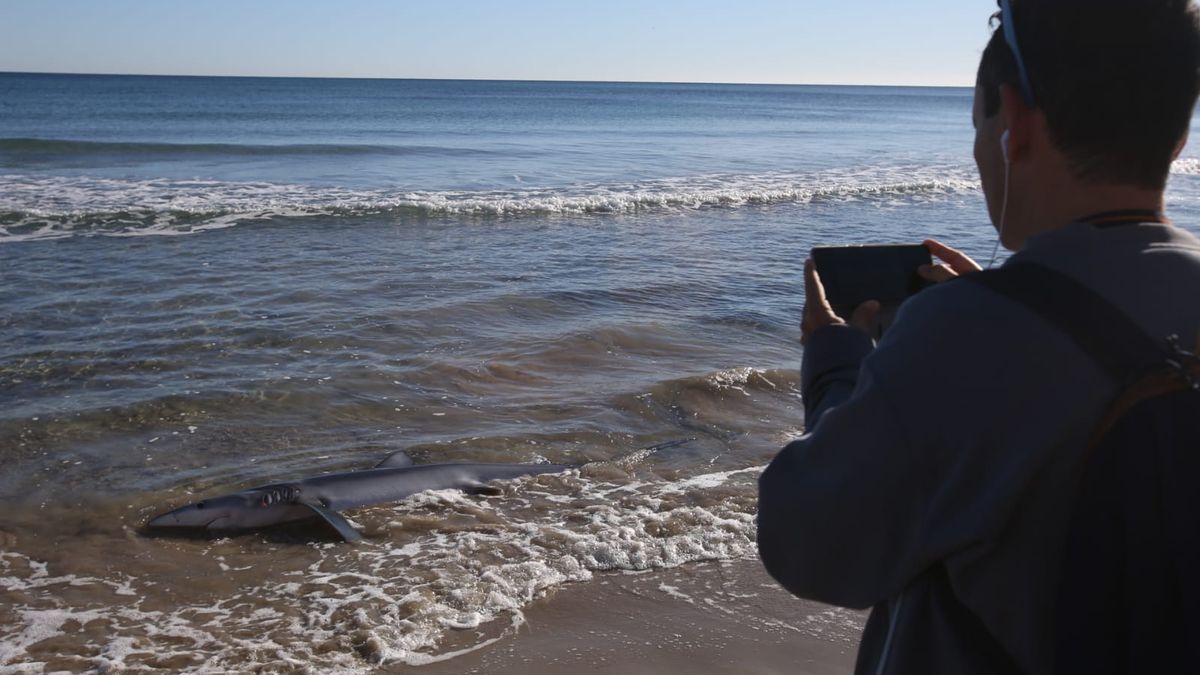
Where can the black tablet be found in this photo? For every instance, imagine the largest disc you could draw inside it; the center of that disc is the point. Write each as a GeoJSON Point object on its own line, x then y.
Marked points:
{"type": "Point", "coordinates": [854, 274]}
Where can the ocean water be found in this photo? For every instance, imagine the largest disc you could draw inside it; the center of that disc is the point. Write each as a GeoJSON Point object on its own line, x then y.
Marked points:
{"type": "Point", "coordinates": [212, 283]}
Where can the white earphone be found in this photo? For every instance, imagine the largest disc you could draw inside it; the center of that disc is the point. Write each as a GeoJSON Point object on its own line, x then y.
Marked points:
{"type": "Point", "coordinates": [1004, 203]}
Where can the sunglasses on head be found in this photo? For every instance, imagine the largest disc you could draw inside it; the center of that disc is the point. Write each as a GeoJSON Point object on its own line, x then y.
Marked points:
{"type": "Point", "coordinates": [1010, 37]}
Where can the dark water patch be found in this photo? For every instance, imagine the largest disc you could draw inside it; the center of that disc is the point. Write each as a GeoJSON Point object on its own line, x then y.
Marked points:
{"type": "Point", "coordinates": [287, 421]}
{"type": "Point", "coordinates": [752, 320]}
{"type": "Point", "coordinates": [22, 152]}
{"type": "Point", "coordinates": [725, 405]}
{"type": "Point", "coordinates": [670, 295]}
{"type": "Point", "coordinates": [485, 378]}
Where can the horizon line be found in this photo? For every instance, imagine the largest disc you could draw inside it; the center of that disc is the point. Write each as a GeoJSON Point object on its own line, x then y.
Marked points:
{"type": "Point", "coordinates": [486, 79]}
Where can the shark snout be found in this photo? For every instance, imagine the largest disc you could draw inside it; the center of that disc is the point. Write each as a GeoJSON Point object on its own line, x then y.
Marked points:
{"type": "Point", "coordinates": [190, 516]}
{"type": "Point", "coordinates": [165, 520]}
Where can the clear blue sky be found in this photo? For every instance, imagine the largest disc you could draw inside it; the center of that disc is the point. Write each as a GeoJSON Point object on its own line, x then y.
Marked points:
{"type": "Point", "coordinates": [934, 42]}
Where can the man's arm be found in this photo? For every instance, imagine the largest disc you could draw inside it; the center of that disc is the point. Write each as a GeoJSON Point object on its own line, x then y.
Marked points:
{"type": "Point", "coordinates": [829, 371]}
{"type": "Point", "coordinates": [847, 513]}
{"type": "Point", "coordinates": [790, 494]}
{"type": "Point", "coordinates": [833, 348]}
{"type": "Point", "coordinates": [838, 507]}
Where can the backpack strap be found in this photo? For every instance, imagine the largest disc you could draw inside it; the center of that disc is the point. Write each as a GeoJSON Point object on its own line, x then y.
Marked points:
{"type": "Point", "coordinates": [1104, 332]}
{"type": "Point", "coordinates": [1162, 381]}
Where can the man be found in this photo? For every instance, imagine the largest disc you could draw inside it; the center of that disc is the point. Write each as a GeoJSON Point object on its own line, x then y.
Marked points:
{"type": "Point", "coordinates": [931, 482]}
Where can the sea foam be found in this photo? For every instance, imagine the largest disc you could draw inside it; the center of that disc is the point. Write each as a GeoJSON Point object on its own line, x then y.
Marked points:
{"type": "Point", "coordinates": [1186, 167]}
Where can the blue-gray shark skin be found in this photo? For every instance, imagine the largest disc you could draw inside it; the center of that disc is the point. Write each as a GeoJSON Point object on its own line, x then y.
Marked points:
{"type": "Point", "coordinates": [323, 496]}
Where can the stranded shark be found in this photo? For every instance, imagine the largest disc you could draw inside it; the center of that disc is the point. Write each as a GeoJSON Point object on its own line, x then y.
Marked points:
{"type": "Point", "coordinates": [323, 496]}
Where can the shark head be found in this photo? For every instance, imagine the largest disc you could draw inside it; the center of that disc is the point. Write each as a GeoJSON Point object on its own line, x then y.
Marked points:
{"type": "Point", "coordinates": [257, 507]}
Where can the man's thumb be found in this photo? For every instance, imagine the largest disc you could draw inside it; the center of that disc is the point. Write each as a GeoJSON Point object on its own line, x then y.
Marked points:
{"type": "Point", "coordinates": [864, 316]}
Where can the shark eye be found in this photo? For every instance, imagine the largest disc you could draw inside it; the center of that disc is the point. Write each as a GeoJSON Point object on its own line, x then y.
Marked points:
{"type": "Point", "coordinates": [199, 505]}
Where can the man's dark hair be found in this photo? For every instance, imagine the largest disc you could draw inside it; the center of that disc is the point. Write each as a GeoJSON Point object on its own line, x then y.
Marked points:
{"type": "Point", "coordinates": [1116, 79]}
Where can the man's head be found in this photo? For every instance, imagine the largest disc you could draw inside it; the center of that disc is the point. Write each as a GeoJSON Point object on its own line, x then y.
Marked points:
{"type": "Point", "coordinates": [1114, 84]}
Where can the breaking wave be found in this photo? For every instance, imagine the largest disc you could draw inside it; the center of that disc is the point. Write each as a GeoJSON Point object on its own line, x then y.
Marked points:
{"type": "Point", "coordinates": [1186, 167]}
{"type": "Point", "coordinates": [50, 207]}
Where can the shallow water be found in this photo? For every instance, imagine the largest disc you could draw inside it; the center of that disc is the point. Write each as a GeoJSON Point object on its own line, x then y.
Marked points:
{"type": "Point", "coordinates": [276, 300]}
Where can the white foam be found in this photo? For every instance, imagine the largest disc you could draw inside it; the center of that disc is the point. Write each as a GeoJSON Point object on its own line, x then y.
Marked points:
{"type": "Point", "coordinates": [1186, 167]}
{"type": "Point", "coordinates": [711, 480]}
{"type": "Point", "coordinates": [674, 592]}
{"type": "Point", "coordinates": [738, 379]}
{"type": "Point", "coordinates": [518, 620]}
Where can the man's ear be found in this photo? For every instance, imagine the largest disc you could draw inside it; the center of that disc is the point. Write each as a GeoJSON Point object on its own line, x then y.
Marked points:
{"type": "Point", "coordinates": [1018, 119]}
{"type": "Point", "coordinates": [1179, 148]}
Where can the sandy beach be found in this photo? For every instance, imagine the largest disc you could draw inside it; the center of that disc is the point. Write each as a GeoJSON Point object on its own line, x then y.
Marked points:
{"type": "Point", "coordinates": [718, 618]}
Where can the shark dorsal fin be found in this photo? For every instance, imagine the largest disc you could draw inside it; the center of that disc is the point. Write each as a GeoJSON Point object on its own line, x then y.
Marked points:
{"type": "Point", "coordinates": [396, 460]}
{"type": "Point", "coordinates": [335, 520]}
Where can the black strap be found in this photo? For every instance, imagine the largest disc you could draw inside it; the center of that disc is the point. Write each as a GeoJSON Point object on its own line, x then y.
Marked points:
{"type": "Point", "coordinates": [1108, 219]}
{"type": "Point", "coordinates": [1102, 331]}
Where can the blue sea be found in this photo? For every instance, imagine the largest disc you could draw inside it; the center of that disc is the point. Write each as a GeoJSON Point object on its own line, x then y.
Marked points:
{"type": "Point", "coordinates": [212, 283]}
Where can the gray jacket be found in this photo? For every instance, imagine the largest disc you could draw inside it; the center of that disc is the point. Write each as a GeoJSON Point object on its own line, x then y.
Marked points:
{"type": "Point", "coordinates": [933, 482]}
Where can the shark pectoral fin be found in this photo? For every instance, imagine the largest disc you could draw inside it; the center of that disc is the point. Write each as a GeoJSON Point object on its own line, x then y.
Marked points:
{"type": "Point", "coordinates": [395, 460]}
{"type": "Point", "coordinates": [485, 490]}
{"type": "Point", "coordinates": [336, 521]}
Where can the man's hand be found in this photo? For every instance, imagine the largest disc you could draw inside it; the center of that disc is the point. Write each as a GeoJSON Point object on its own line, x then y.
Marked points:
{"type": "Point", "coordinates": [954, 263]}
{"type": "Point", "coordinates": [818, 313]}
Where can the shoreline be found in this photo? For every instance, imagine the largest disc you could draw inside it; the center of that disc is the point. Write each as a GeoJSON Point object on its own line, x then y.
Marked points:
{"type": "Point", "coordinates": [722, 618]}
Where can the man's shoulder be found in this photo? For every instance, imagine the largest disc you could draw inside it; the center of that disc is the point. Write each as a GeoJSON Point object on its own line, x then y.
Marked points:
{"type": "Point", "coordinates": [1143, 270]}
{"type": "Point", "coordinates": [953, 306]}
{"type": "Point", "coordinates": [1084, 246]}
{"type": "Point", "coordinates": [1135, 268]}
{"type": "Point", "coordinates": [1178, 235]}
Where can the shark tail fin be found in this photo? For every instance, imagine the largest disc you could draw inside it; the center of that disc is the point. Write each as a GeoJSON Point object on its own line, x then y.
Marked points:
{"type": "Point", "coordinates": [335, 520]}
{"type": "Point", "coordinates": [395, 460]}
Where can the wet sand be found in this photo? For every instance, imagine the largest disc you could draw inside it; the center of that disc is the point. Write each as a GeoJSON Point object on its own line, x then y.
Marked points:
{"type": "Point", "coordinates": [719, 618]}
